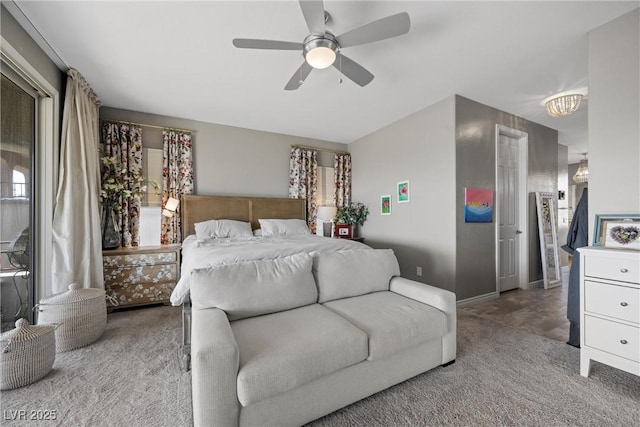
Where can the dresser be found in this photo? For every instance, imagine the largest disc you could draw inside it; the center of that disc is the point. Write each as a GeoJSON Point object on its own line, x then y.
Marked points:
{"type": "Point", "coordinates": [141, 275]}
{"type": "Point", "coordinates": [610, 308]}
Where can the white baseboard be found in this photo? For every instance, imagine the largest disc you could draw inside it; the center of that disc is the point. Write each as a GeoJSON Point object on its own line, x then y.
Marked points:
{"type": "Point", "coordinates": [478, 299]}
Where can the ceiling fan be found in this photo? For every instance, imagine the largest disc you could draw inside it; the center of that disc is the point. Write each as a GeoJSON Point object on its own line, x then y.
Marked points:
{"type": "Point", "coordinates": [321, 48]}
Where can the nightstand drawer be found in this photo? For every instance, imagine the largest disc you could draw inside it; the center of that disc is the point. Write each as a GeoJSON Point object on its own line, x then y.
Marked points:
{"type": "Point", "coordinates": [620, 302]}
{"type": "Point", "coordinates": [621, 269]}
{"type": "Point", "coordinates": [139, 293]}
{"type": "Point", "coordinates": [139, 259]}
{"type": "Point", "coordinates": [615, 338]}
{"type": "Point", "coordinates": [126, 275]}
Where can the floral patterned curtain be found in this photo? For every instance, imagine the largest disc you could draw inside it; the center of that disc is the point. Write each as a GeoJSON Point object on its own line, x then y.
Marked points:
{"type": "Point", "coordinates": [342, 179]}
{"type": "Point", "coordinates": [122, 154]}
{"type": "Point", "coordinates": [303, 180]}
{"type": "Point", "coordinates": [177, 179]}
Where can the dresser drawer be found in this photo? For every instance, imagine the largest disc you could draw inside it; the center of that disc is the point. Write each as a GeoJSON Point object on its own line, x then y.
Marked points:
{"type": "Point", "coordinates": [138, 293]}
{"type": "Point", "coordinates": [127, 275]}
{"type": "Point", "coordinates": [621, 302]}
{"type": "Point", "coordinates": [611, 337]}
{"type": "Point", "coordinates": [139, 259]}
{"type": "Point", "coordinates": [625, 270]}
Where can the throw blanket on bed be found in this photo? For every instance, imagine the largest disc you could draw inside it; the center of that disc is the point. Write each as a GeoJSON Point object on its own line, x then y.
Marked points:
{"type": "Point", "coordinates": [202, 253]}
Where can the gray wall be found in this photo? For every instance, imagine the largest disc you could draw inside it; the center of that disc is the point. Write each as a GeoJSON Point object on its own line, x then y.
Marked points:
{"type": "Point", "coordinates": [563, 205]}
{"type": "Point", "coordinates": [435, 150]}
{"type": "Point", "coordinates": [614, 117]}
{"type": "Point", "coordinates": [476, 166]}
{"type": "Point", "coordinates": [24, 44]}
{"type": "Point", "coordinates": [419, 148]}
{"type": "Point", "coordinates": [230, 160]}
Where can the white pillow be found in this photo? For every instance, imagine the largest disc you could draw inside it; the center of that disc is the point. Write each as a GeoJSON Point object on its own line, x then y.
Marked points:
{"type": "Point", "coordinates": [221, 228]}
{"type": "Point", "coordinates": [254, 288]}
{"type": "Point", "coordinates": [276, 227]}
{"type": "Point", "coordinates": [257, 232]}
{"type": "Point", "coordinates": [349, 273]}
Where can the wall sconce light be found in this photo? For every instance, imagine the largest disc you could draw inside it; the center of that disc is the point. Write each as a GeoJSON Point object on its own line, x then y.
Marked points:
{"type": "Point", "coordinates": [564, 103]}
{"type": "Point", "coordinates": [170, 207]}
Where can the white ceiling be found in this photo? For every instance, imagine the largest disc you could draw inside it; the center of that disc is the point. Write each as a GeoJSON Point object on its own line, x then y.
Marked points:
{"type": "Point", "coordinates": [176, 59]}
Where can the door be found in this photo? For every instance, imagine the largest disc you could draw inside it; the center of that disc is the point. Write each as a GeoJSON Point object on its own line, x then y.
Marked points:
{"type": "Point", "coordinates": [17, 139]}
{"type": "Point", "coordinates": [512, 259]}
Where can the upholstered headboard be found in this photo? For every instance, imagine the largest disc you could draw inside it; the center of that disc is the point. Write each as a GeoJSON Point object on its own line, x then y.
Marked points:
{"type": "Point", "coordinates": [250, 209]}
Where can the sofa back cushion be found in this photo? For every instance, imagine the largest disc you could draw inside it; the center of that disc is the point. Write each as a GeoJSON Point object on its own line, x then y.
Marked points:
{"type": "Point", "coordinates": [348, 273]}
{"type": "Point", "coordinates": [253, 288]}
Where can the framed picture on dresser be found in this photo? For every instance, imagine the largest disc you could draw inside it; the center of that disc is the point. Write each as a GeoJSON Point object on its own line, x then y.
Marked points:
{"type": "Point", "coordinates": [617, 231]}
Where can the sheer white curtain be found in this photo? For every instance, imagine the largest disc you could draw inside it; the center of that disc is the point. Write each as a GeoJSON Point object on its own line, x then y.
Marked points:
{"type": "Point", "coordinates": [77, 240]}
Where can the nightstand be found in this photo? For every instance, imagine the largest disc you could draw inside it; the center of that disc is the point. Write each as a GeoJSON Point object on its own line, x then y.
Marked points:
{"type": "Point", "coordinates": [142, 275]}
{"type": "Point", "coordinates": [356, 239]}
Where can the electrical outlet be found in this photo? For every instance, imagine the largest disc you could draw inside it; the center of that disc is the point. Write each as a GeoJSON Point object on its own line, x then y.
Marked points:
{"type": "Point", "coordinates": [419, 271]}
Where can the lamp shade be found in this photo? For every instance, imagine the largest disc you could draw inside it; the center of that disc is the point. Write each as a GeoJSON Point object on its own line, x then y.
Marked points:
{"type": "Point", "coordinates": [170, 207]}
{"type": "Point", "coordinates": [327, 212]}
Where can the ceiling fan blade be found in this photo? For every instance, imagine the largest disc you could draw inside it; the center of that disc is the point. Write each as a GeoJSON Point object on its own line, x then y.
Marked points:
{"type": "Point", "coordinates": [313, 11]}
{"type": "Point", "coordinates": [299, 77]}
{"type": "Point", "coordinates": [354, 71]}
{"type": "Point", "coordinates": [266, 44]}
{"type": "Point", "coordinates": [391, 26]}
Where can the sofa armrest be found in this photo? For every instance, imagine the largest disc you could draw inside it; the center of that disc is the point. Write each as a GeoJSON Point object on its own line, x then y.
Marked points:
{"type": "Point", "coordinates": [215, 359]}
{"type": "Point", "coordinates": [440, 299]}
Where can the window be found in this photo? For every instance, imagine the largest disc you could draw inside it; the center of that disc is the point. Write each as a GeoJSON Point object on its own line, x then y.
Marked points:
{"type": "Point", "coordinates": [326, 184]}
{"type": "Point", "coordinates": [39, 178]}
{"type": "Point", "coordinates": [19, 184]}
{"type": "Point", "coordinates": [150, 211]}
{"type": "Point", "coordinates": [18, 122]}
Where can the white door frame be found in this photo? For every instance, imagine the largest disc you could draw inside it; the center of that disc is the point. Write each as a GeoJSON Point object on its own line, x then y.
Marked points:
{"type": "Point", "coordinates": [46, 164]}
{"type": "Point", "coordinates": [523, 205]}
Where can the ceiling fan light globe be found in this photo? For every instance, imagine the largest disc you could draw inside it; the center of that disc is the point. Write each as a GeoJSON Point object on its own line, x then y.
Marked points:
{"type": "Point", "coordinates": [320, 57]}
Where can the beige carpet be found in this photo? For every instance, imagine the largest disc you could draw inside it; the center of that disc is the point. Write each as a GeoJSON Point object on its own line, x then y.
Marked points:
{"type": "Point", "coordinates": [130, 377]}
{"type": "Point", "coordinates": [503, 376]}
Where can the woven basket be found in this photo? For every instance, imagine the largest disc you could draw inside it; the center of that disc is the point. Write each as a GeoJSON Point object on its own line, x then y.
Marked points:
{"type": "Point", "coordinates": [80, 313]}
{"type": "Point", "coordinates": [27, 354]}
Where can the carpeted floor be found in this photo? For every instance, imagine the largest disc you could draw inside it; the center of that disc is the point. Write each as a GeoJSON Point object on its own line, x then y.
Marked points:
{"type": "Point", "coordinates": [502, 376]}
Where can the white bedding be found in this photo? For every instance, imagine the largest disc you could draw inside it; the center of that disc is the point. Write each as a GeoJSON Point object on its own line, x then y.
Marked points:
{"type": "Point", "coordinates": [201, 253]}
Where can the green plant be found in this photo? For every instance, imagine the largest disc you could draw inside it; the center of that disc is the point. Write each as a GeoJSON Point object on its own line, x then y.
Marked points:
{"type": "Point", "coordinates": [116, 183]}
{"type": "Point", "coordinates": [352, 214]}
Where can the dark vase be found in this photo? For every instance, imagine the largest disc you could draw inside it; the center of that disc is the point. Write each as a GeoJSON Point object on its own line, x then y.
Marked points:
{"type": "Point", "coordinates": [110, 229]}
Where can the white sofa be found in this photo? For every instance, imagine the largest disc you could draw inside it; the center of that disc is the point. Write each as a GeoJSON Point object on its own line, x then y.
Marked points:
{"type": "Point", "coordinates": [286, 341]}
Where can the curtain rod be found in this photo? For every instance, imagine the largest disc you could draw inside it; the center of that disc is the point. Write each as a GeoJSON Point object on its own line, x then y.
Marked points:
{"type": "Point", "coordinates": [326, 150]}
{"type": "Point", "coordinates": [146, 125]}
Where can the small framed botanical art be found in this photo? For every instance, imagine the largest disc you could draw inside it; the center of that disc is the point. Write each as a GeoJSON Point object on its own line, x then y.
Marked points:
{"type": "Point", "coordinates": [385, 205]}
{"type": "Point", "coordinates": [403, 192]}
{"type": "Point", "coordinates": [617, 231]}
{"type": "Point", "coordinates": [344, 231]}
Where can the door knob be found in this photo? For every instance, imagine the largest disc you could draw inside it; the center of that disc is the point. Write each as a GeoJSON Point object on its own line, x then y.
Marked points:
{"type": "Point", "coordinates": [518, 232]}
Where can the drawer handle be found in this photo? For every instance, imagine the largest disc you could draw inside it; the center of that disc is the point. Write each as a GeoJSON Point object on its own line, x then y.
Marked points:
{"type": "Point", "coordinates": [624, 270]}
{"type": "Point", "coordinates": [624, 304]}
{"type": "Point", "coordinates": [623, 341]}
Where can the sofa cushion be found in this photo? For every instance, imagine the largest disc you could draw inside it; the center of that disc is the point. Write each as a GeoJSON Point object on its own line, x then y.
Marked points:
{"type": "Point", "coordinates": [392, 322]}
{"type": "Point", "coordinates": [254, 288]}
{"type": "Point", "coordinates": [348, 273]}
{"type": "Point", "coordinates": [282, 351]}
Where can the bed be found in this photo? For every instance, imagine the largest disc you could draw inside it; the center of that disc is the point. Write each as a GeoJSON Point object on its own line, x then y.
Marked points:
{"type": "Point", "coordinates": [209, 252]}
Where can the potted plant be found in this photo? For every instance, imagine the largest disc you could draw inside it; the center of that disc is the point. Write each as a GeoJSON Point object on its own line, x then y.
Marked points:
{"type": "Point", "coordinates": [117, 185]}
{"type": "Point", "coordinates": [351, 215]}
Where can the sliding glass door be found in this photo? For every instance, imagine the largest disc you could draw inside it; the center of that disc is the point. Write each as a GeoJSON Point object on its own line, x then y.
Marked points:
{"type": "Point", "coordinates": [17, 173]}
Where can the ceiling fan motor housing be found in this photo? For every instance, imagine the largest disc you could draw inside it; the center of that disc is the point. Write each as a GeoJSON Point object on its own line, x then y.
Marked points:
{"type": "Point", "coordinates": [320, 50]}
